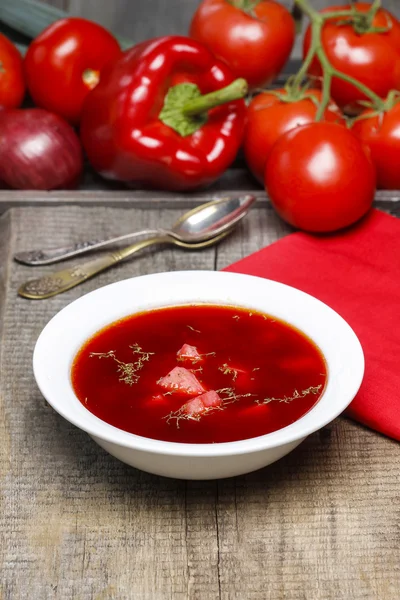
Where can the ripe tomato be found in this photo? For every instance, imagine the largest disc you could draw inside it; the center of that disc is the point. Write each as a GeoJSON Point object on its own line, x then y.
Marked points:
{"type": "Point", "coordinates": [269, 117]}
{"type": "Point", "coordinates": [382, 135]}
{"type": "Point", "coordinates": [64, 63]}
{"type": "Point", "coordinates": [12, 84]}
{"type": "Point", "coordinates": [372, 58]}
{"type": "Point", "coordinates": [255, 44]}
{"type": "Point", "coordinates": [320, 177]}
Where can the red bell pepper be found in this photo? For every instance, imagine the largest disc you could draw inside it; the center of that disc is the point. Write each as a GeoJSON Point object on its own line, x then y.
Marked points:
{"type": "Point", "coordinates": [166, 115]}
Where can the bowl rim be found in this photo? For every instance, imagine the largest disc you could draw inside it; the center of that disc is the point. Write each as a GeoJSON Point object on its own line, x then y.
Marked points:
{"type": "Point", "coordinates": [102, 430]}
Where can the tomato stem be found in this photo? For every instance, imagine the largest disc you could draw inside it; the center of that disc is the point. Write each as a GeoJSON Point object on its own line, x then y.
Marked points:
{"type": "Point", "coordinates": [315, 31]}
{"type": "Point", "coordinates": [317, 50]}
{"type": "Point", "coordinates": [375, 6]}
{"type": "Point", "coordinates": [308, 10]}
{"type": "Point", "coordinates": [246, 6]}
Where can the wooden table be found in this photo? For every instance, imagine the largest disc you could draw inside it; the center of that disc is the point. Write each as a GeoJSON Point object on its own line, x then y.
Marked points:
{"type": "Point", "coordinates": [135, 19]}
{"type": "Point", "coordinates": [76, 524]}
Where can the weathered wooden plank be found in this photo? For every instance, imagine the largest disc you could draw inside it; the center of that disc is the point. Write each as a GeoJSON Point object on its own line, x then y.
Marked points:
{"type": "Point", "coordinates": [135, 20]}
{"type": "Point", "coordinates": [140, 20]}
{"type": "Point", "coordinates": [321, 524]}
{"type": "Point", "coordinates": [388, 201]}
{"type": "Point", "coordinates": [62, 4]}
{"type": "Point", "coordinates": [310, 527]}
{"type": "Point", "coordinates": [75, 523]}
{"type": "Point", "coordinates": [315, 550]}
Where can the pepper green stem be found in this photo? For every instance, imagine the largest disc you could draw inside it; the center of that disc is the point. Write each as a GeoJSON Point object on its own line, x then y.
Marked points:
{"type": "Point", "coordinates": [197, 106]}
{"type": "Point", "coordinates": [185, 109]}
{"type": "Point", "coordinates": [317, 50]}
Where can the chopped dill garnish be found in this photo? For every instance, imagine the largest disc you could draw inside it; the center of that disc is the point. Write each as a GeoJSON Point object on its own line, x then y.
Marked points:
{"type": "Point", "coordinates": [296, 395]}
{"type": "Point", "coordinates": [194, 359]}
{"type": "Point", "coordinates": [128, 372]}
{"type": "Point", "coordinates": [228, 391]}
{"type": "Point", "coordinates": [138, 350]}
{"type": "Point", "coordinates": [231, 396]}
{"type": "Point", "coordinates": [227, 370]}
{"type": "Point", "coordinates": [181, 413]}
{"type": "Point", "coordinates": [193, 329]}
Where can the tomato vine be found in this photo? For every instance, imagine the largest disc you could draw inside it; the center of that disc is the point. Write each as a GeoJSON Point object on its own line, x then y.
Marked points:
{"type": "Point", "coordinates": [362, 23]}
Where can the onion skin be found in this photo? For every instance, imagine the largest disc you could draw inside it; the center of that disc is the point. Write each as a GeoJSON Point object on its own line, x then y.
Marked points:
{"type": "Point", "coordinates": [38, 151]}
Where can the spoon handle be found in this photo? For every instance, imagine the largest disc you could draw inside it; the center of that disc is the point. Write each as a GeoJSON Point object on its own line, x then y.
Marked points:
{"type": "Point", "coordinates": [34, 258]}
{"type": "Point", "coordinates": [61, 281]}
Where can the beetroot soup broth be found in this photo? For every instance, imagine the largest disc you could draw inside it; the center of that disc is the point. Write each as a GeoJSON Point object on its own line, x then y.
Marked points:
{"type": "Point", "coordinates": [199, 374]}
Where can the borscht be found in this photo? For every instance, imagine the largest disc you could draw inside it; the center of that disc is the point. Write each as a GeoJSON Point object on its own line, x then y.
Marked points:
{"type": "Point", "coordinates": [199, 374]}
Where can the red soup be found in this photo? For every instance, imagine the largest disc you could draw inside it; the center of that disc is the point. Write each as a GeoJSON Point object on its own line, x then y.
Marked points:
{"type": "Point", "coordinates": [199, 374]}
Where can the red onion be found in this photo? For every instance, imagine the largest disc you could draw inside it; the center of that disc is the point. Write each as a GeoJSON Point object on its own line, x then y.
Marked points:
{"type": "Point", "coordinates": [38, 151]}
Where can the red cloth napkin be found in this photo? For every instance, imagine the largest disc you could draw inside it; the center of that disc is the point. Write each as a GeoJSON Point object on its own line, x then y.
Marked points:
{"type": "Point", "coordinates": [357, 273]}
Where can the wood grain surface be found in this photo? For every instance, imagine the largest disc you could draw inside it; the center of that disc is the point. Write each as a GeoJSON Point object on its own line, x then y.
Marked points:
{"type": "Point", "coordinates": [142, 19]}
{"type": "Point", "coordinates": [76, 524]}
{"type": "Point", "coordinates": [63, 4]}
{"type": "Point", "coordinates": [234, 183]}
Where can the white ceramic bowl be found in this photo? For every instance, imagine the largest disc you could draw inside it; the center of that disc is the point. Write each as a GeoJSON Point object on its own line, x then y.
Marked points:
{"type": "Point", "coordinates": [70, 328]}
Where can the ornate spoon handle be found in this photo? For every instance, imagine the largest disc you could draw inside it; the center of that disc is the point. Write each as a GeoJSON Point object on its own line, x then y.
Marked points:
{"type": "Point", "coordinates": [52, 255]}
{"type": "Point", "coordinates": [61, 281]}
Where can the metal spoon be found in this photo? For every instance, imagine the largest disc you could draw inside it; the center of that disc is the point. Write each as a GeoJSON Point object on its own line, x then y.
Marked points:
{"type": "Point", "coordinates": [201, 223]}
{"type": "Point", "coordinates": [61, 281]}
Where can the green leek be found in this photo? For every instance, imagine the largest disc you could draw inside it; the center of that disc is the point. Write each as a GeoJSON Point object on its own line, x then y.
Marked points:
{"type": "Point", "coordinates": [30, 17]}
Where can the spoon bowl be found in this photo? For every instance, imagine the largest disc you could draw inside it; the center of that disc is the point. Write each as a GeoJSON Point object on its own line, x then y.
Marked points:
{"type": "Point", "coordinates": [198, 225]}
{"type": "Point", "coordinates": [210, 219]}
